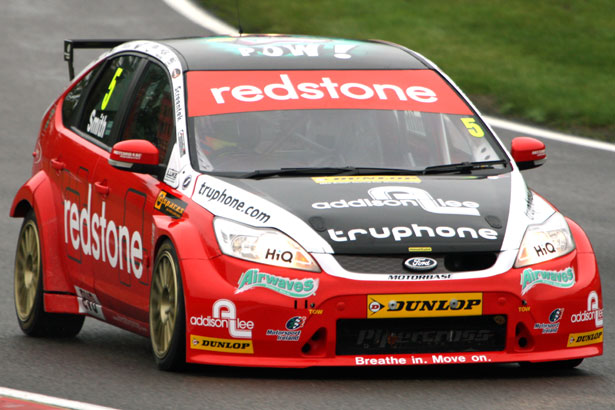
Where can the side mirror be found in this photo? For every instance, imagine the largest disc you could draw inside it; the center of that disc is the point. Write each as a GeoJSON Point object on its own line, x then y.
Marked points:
{"type": "Point", "coordinates": [528, 152]}
{"type": "Point", "coordinates": [139, 156]}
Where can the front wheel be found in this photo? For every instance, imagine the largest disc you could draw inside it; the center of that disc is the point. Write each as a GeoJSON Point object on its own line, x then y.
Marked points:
{"type": "Point", "coordinates": [28, 289]}
{"type": "Point", "coordinates": [166, 311]}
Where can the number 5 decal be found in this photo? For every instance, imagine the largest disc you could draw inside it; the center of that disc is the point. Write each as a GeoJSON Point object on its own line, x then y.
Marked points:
{"type": "Point", "coordinates": [473, 128]}
{"type": "Point", "coordinates": [105, 100]}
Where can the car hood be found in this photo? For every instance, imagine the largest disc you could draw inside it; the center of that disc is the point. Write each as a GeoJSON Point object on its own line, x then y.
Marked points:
{"type": "Point", "coordinates": [369, 215]}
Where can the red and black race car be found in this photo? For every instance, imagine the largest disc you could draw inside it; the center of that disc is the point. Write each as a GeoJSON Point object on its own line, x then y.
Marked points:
{"type": "Point", "coordinates": [295, 201]}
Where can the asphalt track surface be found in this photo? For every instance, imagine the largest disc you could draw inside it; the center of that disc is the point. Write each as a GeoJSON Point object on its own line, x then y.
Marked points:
{"type": "Point", "coordinates": [111, 367]}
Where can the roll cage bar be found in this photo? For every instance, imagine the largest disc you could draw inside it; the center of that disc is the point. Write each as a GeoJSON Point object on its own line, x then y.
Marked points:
{"type": "Point", "coordinates": [70, 45]}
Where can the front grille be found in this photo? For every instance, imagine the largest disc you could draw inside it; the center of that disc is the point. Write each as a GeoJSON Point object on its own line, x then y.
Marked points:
{"type": "Point", "coordinates": [421, 335]}
{"type": "Point", "coordinates": [394, 264]}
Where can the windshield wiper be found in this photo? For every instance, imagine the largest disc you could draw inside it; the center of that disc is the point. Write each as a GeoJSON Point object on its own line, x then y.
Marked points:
{"type": "Point", "coordinates": [462, 167]}
{"type": "Point", "coordinates": [319, 171]}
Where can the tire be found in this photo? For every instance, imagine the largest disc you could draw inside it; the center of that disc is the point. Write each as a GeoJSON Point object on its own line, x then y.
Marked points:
{"type": "Point", "coordinates": [166, 311]}
{"type": "Point", "coordinates": [28, 289]}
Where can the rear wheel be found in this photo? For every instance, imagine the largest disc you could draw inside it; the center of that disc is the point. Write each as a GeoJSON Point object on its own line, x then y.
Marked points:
{"type": "Point", "coordinates": [166, 311]}
{"type": "Point", "coordinates": [28, 289]}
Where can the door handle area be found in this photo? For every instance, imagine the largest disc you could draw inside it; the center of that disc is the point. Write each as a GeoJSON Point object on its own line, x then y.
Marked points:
{"type": "Point", "coordinates": [57, 164]}
{"type": "Point", "coordinates": [102, 188]}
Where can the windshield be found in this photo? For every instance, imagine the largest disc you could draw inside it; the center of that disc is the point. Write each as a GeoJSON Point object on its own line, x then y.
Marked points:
{"type": "Point", "coordinates": [377, 119]}
{"type": "Point", "coordinates": [244, 142]}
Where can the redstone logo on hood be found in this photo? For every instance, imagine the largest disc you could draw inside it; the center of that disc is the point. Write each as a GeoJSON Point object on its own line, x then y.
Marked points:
{"type": "Point", "coordinates": [217, 92]}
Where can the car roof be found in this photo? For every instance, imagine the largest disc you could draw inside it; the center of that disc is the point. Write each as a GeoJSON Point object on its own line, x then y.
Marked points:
{"type": "Point", "coordinates": [284, 52]}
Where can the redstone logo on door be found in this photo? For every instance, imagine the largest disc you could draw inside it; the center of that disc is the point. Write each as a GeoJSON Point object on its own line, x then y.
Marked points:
{"type": "Point", "coordinates": [215, 92]}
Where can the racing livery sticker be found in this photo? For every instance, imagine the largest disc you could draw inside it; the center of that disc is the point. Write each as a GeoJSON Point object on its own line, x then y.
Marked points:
{"type": "Point", "coordinates": [170, 205]}
{"type": "Point", "coordinates": [89, 303]}
{"type": "Point", "coordinates": [221, 92]}
{"type": "Point", "coordinates": [215, 344]}
{"type": "Point", "coordinates": [224, 199]}
{"type": "Point", "coordinates": [421, 359]}
{"type": "Point", "coordinates": [97, 125]}
{"type": "Point", "coordinates": [94, 235]}
{"type": "Point", "coordinates": [224, 315]}
{"type": "Point", "coordinates": [367, 179]}
{"type": "Point", "coordinates": [292, 332]}
{"type": "Point", "coordinates": [586, 338]}
{"type": "Point", "coordinates": [592, 312]}
{"type": "Point", "coordinates": [554, 322]}
{"type": "Point", "coordinates": [396, 196]}
{"type": "Point", "coordinates": [408, 277]}
{"type": "Point", "coordinates": [285, 47]}
{"type": "Point", "coordinates": [424, 305]}
{"type": "Point", "coordinates": [295, 288]}
{"type": "Point", "coordinates": [170, 176]}
{"type": "Point", "coordinates": [416, 230]}
{"type": "Point", "coordinates": [561, 279]}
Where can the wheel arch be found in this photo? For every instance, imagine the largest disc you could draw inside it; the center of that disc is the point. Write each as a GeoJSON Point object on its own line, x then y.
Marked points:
{"type": "Point", "coordinates": [37, 194]}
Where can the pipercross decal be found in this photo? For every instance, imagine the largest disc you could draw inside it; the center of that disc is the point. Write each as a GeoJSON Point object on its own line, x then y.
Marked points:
{"type": "Point", "coordinates": [401, 196]}
{"type": "Point", "coordinates": [561, 279]}
{"type": "Point", "coordinates": [296, 288]}
{"type": "Point", "coordinates": [424, 305]}
{"type": "Point", "coordinates": [170, 205]}
{"type": "Point", "coordinates": [94, 235]}
{"type": "Point", "coordinates": [220, 92]}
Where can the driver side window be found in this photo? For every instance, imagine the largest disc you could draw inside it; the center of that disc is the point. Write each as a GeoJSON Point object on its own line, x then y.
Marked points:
{"type": "Point", "coordinates": [103, 103]}
{"type": "Point", "coordinates": [150, 116]}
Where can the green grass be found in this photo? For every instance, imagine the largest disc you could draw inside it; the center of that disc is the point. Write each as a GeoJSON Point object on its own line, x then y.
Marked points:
{"type": "Point", "coordinates": [547, 62]}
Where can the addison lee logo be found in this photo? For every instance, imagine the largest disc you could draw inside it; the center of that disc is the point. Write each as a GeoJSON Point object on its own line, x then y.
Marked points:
{"type": "Point", "coordinates": [403, 196]}
{"type": "Point", "coordinates": [420, 264]}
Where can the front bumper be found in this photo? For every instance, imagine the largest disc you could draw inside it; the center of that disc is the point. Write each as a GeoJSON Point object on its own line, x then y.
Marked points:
{"type": "Point", "coordinates": [279, 317]}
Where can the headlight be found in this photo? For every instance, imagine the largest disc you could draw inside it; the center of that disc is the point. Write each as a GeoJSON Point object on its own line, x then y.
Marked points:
{"type": "Point", "coordinates": [262, 245]}
{"type": "Point", "coordinates": [546, 241]}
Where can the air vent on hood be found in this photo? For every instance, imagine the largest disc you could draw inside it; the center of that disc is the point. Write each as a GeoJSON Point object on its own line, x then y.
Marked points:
{"type": "Point", "coordinates": [394, 264]}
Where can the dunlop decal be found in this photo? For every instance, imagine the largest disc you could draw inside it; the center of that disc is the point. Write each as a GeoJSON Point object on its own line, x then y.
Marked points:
{"type": "Point", "coordinates": [424, 305]}
{"type": "Point", "coordinates": [587, 338]}
{"type": "Point", "coordinates": [221, 345]}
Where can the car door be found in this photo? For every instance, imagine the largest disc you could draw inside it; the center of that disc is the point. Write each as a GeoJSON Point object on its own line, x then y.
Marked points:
{"type": "Point", "coordinates": [122, 282]}
{"type": "Point", "coordinates": [89, 113]}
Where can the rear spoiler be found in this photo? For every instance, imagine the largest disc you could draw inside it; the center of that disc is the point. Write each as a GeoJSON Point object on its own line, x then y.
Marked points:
{"type": "Point", "coordinates": [70, 45]}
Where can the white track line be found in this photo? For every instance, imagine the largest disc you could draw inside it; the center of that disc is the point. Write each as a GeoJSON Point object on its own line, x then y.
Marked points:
{"type": "Point", "coordinates": [199, 16]}
{"type": "Point", "coordinates": [211, 23]}
{"type": "Point", "coordinates": [557, 136]}
{"type": "Point", "coordinates": [52, 401]}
